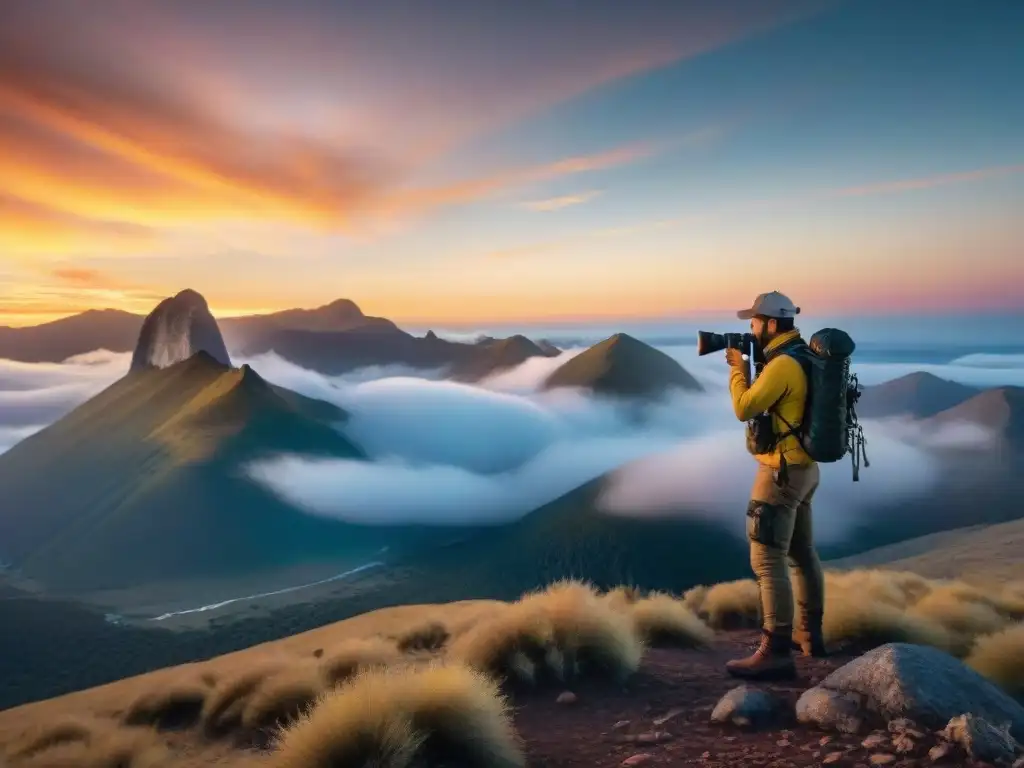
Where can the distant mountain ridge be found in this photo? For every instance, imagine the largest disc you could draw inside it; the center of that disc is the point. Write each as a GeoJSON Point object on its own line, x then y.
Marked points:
{"type": "Point", "coordinates": [917, 394]}
{"type": "Point", "coordinates": [1000, 409]}
{"type": "Point", "coordinates": [146, 481]}
{"type": "Point", "coordinates": [334, 339]}
{"type": "Point", "coordinates": [118, 331]}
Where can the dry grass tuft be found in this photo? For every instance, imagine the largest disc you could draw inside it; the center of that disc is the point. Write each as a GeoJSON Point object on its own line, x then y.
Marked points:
{"type": "Point", "coordinates": [43, 737]}
{"type": "Point", "coordinates": [870, 607]}
{"type": "Point", "coordinates": [897, 590]}
{"type": "Point", "coordinates": [563, 631]}
{"type": "Point", "coordinates": [387, 718]}
{"type": "Point", "coordinates": [694, 597]}
{"type": "Point", "coordinates": [178, 705]}
{"type": "Point", "coordinates": [963, 614]}
{"type": "Point", "coordinates": [1000, 658]}
{"type": "Point", "coordinates": [864, 625]}
{"type": "Point", "coordinates": [623, 596]}
{"type": "Point", "coordinates": [729, 605]}
{"type": "Point", "coordinates": [351, 657]}
{"type": "Point", "coordinates": [430, 637]}
{"type": "Point", "coordinates": [226, 703]}
{"type": "Point", "coordinates": [111, 748]}
{"type": "Point", "coordinates": [1008, 601]}
{"type": "Point", "coordinates": [662, 620]}
{"type": "Point", "coordinates": [282, 697]}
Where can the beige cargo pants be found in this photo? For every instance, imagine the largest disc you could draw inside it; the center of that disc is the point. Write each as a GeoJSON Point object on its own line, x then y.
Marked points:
{"type": "Point", "coordinates": [780, 533]}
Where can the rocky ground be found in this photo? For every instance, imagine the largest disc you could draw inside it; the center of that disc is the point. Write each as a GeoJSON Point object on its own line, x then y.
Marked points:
{"type": "Point", "coordinates": [663, 717]}
{"type": "Point", "coordinates": [670, 713]}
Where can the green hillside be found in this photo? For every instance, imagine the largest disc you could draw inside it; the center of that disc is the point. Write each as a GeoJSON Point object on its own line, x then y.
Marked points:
{"type": "Point", "coordinates": [143, 483]}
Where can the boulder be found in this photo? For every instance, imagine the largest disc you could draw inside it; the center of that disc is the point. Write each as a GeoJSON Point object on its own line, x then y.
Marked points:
{"type": "Point", "coordinates": [177, 329]}
{"type": "Point", "coordinates": [900, 680]}
{"type": "Point", "coordinates": [747, 706]}
{"type": "Point", "coordinates": [981, 740]}
{"type": "Point", "coordinates": [831, 710]}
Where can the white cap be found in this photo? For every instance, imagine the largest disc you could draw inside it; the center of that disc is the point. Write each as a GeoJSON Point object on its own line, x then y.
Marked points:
{"type": "Point", "coordinates": [772, 304]}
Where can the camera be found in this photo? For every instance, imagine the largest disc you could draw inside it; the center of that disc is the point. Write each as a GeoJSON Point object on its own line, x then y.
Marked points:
{"type": "Point", "coordinates": [708, 342]}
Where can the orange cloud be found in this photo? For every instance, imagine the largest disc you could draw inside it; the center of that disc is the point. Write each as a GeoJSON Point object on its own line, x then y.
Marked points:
{"type": "Point", "coordinates": [79, 275]}
{"type": "Point", "coordinates": [33, 295]}
{"type": "Point", "coordinates": [26, 228]}
{"type": "Point", "coordinates": [558, 203]}
{"type": "Point", "coordinates": [485, 186]}
{"type": "Point", "coordinates": [172, 115]}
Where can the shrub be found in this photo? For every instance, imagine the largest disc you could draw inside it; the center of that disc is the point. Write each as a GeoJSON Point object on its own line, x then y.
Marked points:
{"type": "Point", "coordinates": [350, 657]}
{"type": "Point", "coordinates": [45, 736]}
{"type": "Point", "coordinates": [109, 748]}
{"type": "Point", "coordinates": [562, 631]}
{"type": "Point", "coordinates": [431, 636]}
{"type": "Point", "coordinates": [388, 717]}
{"type": "Point", "coordinates": [957, 610]}
{"type": "Point", "coordinates": [729, 605]}
{"type": "Point", "coordinates": [177, 705]}
{"type": "Point", "coordinates": [622, 596]}
{"type": "Point", "coordinates": [283, 696]}
{"type": "Point", "coordinates": [1000, 658]}
{"type": "Point", "coordinates": [226, 703]}
{"type": "Point", "coordinates": [663, 620]}
{"type": "Point", "coordinates": [850, 619]}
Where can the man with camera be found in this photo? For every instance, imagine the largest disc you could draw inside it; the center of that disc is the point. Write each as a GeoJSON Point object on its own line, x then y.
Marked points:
{"type": "Point", "coordinates": [779, 514]}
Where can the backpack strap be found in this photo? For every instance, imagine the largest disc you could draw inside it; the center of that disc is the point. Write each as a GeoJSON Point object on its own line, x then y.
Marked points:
{"type": "Point", "coordinates": [793, 349]}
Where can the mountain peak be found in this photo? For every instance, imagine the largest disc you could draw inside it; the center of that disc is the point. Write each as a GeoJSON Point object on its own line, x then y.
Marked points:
{"type": "Point", "coordinates": [178, 328]}
{"type": "Point", "coordinates": [919, 394]}
{"type": "Point", "coordinates": [623, 365]}
{"type": "Point", "coordinates": [191, 298]}
{"type": "Point", "coordinates": [344, 308]}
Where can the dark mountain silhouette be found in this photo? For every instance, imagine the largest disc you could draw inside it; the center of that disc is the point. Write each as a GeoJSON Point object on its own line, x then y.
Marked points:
{"type": "Point", "coordinates": [333, 339]}
{"type": "Point", "coordinates": [496, 355]}
{"type": "Point", "coordinates": [179, 327]}
{"type": "Point", "coordinates": [340, 315]}
{"type": "Point", "coordinates": [918, 395]}
{"type": "Point", "coordinates": [623, 365]}
{"type": "Point", "coordinates": [335, 353]}
{"type": "Point", "coordinates": [53, 342]}
{"type": "Point", "coordinates": [145, 482]}
{"type": "Point", "coordinates": [119, 331]}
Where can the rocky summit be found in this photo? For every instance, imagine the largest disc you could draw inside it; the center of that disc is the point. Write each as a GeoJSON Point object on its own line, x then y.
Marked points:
{"type": "Point", "coordinates": [179, 327]}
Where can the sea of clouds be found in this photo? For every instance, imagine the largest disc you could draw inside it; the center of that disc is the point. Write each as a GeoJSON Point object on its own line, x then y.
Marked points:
{"type": "Point", "coordinates": [449, 453]}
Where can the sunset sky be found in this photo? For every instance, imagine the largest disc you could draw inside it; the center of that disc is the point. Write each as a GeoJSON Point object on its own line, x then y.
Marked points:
{"type": "Point", "coordinates": [462, 160]}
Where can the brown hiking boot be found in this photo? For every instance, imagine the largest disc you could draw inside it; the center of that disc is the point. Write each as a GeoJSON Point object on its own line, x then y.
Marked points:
{"type": "Point", "coordinates": [810, 642]}
{"type": "Point", "coordinates": [772, 660]}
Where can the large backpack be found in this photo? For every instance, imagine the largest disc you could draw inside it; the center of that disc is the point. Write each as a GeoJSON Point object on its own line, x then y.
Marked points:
{"type": "Point", "coordinates": [829, 429]}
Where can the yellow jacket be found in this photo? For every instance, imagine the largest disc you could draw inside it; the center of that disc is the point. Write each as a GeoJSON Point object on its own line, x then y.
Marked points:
{"type": "Point", "coordinates": [782, 384]}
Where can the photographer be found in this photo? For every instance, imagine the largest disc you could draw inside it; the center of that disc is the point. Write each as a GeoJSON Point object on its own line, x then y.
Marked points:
{"type": "Point", "coordinates": [779, 514]}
